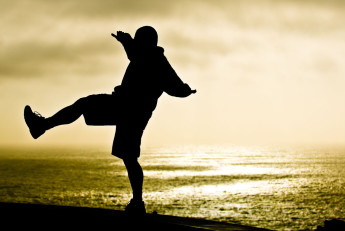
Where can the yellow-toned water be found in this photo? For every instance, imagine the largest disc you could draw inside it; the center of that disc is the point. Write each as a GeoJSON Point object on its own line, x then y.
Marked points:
{"type": "Point", "coordinates": [271, 187]}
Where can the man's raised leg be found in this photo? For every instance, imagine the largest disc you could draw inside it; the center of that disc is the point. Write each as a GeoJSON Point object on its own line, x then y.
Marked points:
{"type": "Point", "coordinates": [38, 124]}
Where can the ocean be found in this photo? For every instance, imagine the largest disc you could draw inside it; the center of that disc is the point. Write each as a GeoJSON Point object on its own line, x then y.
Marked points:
{"type": "Point", "coordinates": [273, 187]}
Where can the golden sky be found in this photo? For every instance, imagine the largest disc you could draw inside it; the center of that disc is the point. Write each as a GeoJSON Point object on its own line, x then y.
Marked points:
{"type": "Point", "coordinates": [266, 71]}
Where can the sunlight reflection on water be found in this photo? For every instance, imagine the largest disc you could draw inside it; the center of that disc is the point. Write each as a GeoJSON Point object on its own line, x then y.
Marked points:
{"type": "Point", "coordinates": [233, 170]}
{"type": "Point", "coordinates": [275, 187]}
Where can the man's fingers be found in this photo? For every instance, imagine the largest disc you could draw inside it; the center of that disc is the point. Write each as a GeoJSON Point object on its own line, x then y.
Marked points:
{"type": "Point", "coordinates": [112, 34]}
{"type": "Point", "coordinates": [193, 91]}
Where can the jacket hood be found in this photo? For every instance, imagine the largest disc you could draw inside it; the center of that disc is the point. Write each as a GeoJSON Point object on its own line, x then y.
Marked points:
{"type": "Point", "coordinates": [159, 50]}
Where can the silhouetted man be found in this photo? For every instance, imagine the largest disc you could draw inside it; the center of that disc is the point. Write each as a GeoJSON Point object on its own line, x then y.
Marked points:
{"type": "Point", "coordinates": [129, 107]}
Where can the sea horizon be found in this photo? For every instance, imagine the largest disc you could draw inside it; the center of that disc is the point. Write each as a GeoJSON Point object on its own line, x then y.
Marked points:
{"type": "Point", "coordinates": [275, 187]}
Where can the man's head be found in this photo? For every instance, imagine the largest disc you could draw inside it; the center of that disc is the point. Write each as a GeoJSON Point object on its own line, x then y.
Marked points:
{"type": "Point", "coordinates": [146, 36]}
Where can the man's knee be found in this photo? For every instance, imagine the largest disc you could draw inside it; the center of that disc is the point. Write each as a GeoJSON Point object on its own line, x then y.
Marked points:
{"type": "Point", "coordinates": [82, 103]}
{"type": "Point", "coordinates": [130, 161]}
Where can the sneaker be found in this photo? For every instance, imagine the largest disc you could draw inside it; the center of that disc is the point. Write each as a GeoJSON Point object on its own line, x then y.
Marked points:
{"type": "Point", "coordinates": [34, 121]}
{"type": "Point", "coordinates": [135, 208]}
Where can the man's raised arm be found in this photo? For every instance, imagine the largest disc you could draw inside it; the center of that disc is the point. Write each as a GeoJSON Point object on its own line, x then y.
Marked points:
{"type": "Point", "coordinates": [172, 83]}
{"type": "Point", "coordinates": [127, 42]}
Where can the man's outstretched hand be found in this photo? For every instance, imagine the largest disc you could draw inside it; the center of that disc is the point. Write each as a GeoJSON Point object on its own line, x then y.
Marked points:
{"type": "Point", "coordinates": [188, 90]}
{"type": "Point", "coordinates": [122, 36]}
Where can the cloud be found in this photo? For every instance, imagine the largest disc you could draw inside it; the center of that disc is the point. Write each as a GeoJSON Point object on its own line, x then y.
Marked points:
{"type": "Point", "coordinates": [39, 36]}
{"type": "Point", "coordinates": [37, 59]}
{"type": "Point", "coordinates": [118, 8]}
{"type": "Point", "coordinates": [87, 8]}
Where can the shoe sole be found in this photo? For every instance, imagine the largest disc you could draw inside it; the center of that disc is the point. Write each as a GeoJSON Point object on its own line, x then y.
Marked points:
{"type": "Point", "coordinates": [27, 113]}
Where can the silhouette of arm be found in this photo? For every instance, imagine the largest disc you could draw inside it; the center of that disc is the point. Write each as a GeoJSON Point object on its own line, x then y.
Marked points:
{"type": "Point", "coordinates": [127, 42]}
{"type": "Point", "coordinates": [172, 84]}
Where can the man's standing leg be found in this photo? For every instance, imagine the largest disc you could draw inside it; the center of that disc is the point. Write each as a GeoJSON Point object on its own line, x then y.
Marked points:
{"type": "Point", "coordinates": [126, 146]}
{"type": "Point", "coordinates": [136, 177]}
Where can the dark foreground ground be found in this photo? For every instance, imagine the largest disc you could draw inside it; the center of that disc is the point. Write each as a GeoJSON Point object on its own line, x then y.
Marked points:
{"type": "Point", "coordinates": [48, 217]}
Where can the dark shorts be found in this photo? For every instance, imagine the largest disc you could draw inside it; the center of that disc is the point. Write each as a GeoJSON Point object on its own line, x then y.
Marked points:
{"type": "Point", "coordinates": [127, 141]}
{"type": "Point", "coordinates": [101, 110]}
{"type": "Point", "coordinates": [105, 109]}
